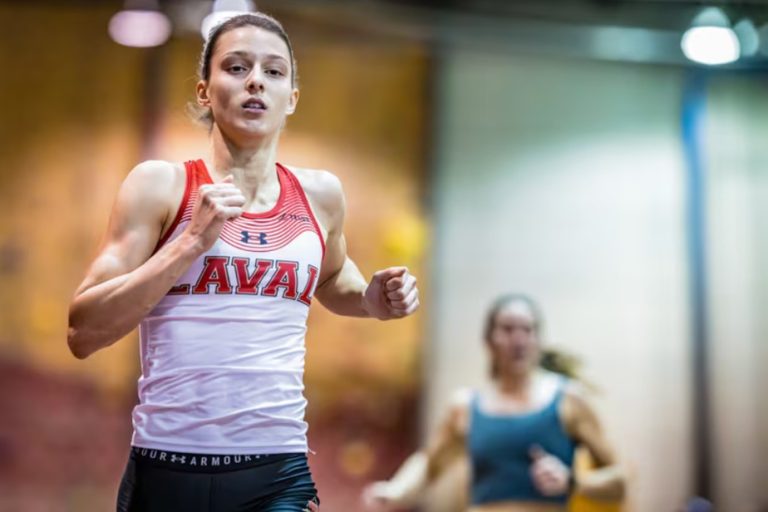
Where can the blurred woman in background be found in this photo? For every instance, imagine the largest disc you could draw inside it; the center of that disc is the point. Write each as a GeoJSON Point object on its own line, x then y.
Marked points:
{"type": "Point", "coordinates": [519, 435]}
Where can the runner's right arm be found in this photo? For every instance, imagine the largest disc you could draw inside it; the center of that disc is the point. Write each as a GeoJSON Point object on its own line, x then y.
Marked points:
{"type": "Point", "coordinates": [125, 280]}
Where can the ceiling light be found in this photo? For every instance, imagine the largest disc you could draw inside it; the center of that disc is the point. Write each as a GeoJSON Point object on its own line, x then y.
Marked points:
{"type": "Point", "coordinates": [140, 24]}
{"type": "Point", "coordinates": [710, 39]}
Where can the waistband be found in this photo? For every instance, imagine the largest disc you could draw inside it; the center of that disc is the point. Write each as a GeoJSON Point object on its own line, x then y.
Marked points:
{"type": "Point", "coordinates": [206, 462]}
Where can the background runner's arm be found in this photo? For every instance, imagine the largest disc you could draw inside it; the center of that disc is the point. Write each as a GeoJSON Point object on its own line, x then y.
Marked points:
{"type": "Point", "coordinates": [607, 481]}
{"type": "Point", "coordinates": [423, 467]}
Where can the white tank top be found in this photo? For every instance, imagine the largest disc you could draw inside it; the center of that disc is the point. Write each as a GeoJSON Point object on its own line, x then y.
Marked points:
{"type": "Point", "coordinates": [222, 354]}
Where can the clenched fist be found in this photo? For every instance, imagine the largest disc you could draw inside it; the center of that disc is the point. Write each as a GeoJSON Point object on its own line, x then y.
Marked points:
{"type": "Point", "coordinates": [550, 475]}
{"type": "Point", "coordinates": [216, 203]}
{"type": "Point", "coordinates": [392, 293]}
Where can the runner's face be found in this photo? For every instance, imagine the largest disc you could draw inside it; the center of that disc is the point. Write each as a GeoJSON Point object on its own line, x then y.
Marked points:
{"type": "Point", "coordinates": [514, 339]}
{"type": "Point", "coordinates": [250, 90]}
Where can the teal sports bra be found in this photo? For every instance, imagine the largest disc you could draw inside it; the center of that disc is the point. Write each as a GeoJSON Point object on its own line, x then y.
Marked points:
{"type": "Point", "coordinates": [499, 446]}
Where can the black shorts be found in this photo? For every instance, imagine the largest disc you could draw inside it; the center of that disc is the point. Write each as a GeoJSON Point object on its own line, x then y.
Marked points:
{"type": "Point", "coordinates": [161, 481]}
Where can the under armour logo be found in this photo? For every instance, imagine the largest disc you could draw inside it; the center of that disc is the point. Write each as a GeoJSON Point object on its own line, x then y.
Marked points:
{"type": "Point", "coordinates": [246, 237]}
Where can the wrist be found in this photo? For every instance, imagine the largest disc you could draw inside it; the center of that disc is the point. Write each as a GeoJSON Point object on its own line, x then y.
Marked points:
{"type": "Point", "coordinates": [400, 493]}
{"type": "Point", "coordinates": [190, 245]}
{"type": "Point", "coordinates": [365, 305]}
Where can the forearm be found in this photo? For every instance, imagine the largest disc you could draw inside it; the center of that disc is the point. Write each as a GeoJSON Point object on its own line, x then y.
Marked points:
{"type": "Point", "coordinates": [410, 479]}
{"type": "Point", "coordinates": [344, 292]}
{"type": "Point", "coordinates": [602, 484]}
{"type": "Point", "coordinates": [102, 314]}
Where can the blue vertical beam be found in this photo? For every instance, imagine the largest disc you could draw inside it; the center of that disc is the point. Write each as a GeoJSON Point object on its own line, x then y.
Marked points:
{"type": "Point", "coordinates": [692, 120]}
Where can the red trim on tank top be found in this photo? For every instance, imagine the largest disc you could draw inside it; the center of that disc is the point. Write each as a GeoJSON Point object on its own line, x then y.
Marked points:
{"type": "Point", "coordinates": [197, 173]}
{"type": "Point", "coordinates": [261, 215]}
{"type": "Point", "coordinates": [303, 197]}
{"type": "Point", "coordinates": [202, 173]}
{"type": "Point", "coordinates": [283, 175]}
{"type": "Point", "coordinates": [188, 171]}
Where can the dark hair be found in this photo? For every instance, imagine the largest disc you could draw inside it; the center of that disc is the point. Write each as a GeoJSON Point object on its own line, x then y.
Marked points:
{"type": "Point", "coordinates": [505, 300]}
{"type": "Point", "coordinates": [552, 360]}
{"type": "Point", "coordinates": [256, 19]}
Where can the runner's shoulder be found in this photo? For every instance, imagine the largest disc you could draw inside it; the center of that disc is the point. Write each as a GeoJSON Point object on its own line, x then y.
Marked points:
{"type": "Point", "coordinates": [322, 187]}
{"type": "Point", "coordinates": [154, 184]}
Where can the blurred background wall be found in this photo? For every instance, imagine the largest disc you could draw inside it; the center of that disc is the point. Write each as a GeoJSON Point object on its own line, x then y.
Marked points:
{"type": "Point", "coordinates": [492, 147]}
{"type": "Point", "coordinates": [737, 161]}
